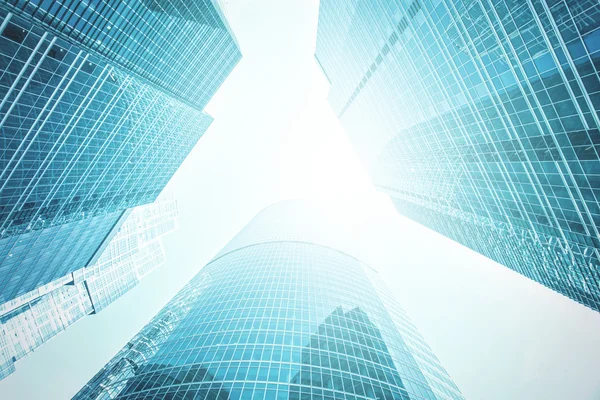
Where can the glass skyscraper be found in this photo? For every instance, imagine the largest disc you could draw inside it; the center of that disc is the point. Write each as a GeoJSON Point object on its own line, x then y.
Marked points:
{"type": "Point", "coordinates": [183, 47]}
{"type": "Point", "coordinates": [33, 318]}
{"type": "Point", "coordinates": [278, 314]}
{"type": "Point", "coordinates": [480, 119]}
{"type": "Point", "coordinates": [100, 102]}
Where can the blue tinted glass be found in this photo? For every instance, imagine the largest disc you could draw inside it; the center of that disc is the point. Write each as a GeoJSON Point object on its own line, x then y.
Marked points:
{"type": "Point", "coordinates": [481, 120]}
{"type": "Point", "coordinates": [277, 316]}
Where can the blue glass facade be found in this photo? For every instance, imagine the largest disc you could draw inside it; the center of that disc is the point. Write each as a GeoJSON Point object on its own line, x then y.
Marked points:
{"type": "Point", "coordinates": [81, 138]}
{"type": "Point", "coordinates": [277, 316]}
{"type": "Point", "coordinates": [100, 103]}
{"type": "Point", "coordinates": [31, 319]}
{"type": "Point", "coordinates": [481, 120]}
{"type": "Point", "coordinates": [38, 257]}
{"type": "Point", "coordinates": [184, 47]}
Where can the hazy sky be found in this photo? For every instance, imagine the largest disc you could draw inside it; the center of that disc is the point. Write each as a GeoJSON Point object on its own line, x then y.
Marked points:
{"type": "Point", "coordinates": [499, 335]}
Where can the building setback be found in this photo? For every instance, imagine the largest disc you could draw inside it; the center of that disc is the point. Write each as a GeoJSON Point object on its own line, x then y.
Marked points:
{"type": "Point", "coordinates": [277, 314]}
{"type": "Point", "coordinates": [32, 319]}
{"type": "Point", "coordinates": [95, 118]}
{"type": "Point", "coordinates": [481, 120]}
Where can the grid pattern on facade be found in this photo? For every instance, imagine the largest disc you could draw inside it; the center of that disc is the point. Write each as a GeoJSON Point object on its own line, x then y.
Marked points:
{"type": "Point", "coordinates": [279, 320]}
{"type": "Point", "coordinates": [100, 102]}
{"type": "Point", "coordinates": [108, 284]}
{"type": "Point", "coordinates": [26, 328]}
{"type": "Point", "coordinates": [481, 118]}
{"type": "Point", "coordinates": [181, 46]}
{"type": "Point", "coordinates": [431, 368]}
{"type": "Point", "coordinates": [35, 258]}
{"type": "Point", "coordinates": [111, 379]}
{"type": "Point", "coordinates": [30, 296]}
{"type": "Point", "coordinates": [80, 138]}
{"type": "Point", "coordinates": [145, 225]}
{"type": "Point", "coordinates": [134, 251]}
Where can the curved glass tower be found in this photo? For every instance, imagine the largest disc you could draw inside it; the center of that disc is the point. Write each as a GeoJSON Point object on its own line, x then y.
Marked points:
{"type": "Point", "coordinates": [278, 314]}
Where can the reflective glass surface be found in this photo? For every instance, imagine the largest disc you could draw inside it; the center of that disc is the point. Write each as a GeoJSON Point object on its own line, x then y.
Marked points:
{"type": "Point", "coordinates": [38, 257]}
{"type": "Point", "coordinates": [276, 318]}
{"type": "Point", "coordinates": [26, 328]}
{"type": "Point", "coordinates": [184, 47]}
{"type": "Point", "coordinates": [81, 140]}
{"type": "Point", "coordinates": [31, 319]}
{"type": "Point", "coordinates": [481, 119]}
{"type": "Point", "coordinates": [135, 251]}
{"type": "Point", "coordinates": [80, 137]}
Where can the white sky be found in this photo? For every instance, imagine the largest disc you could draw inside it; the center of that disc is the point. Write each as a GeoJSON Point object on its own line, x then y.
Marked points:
{"type": "Point", "coordinates": [499, 335]}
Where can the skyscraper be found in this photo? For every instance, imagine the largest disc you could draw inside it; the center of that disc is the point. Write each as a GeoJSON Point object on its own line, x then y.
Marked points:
{"type": "Point", "coordinates": [481, 120]}
{"type": "Point", "coordinates": [278, 314]}
{"type": "Point", "coordinates": [183, 47]}
{"type": "Point", "coordinates": [100, 102]}
{"type": "Point", "coordinates": [32, 319]}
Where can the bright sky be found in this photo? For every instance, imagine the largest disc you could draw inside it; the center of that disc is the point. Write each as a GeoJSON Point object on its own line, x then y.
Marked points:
{"type": "Point", "coordinates": [499, 335]}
